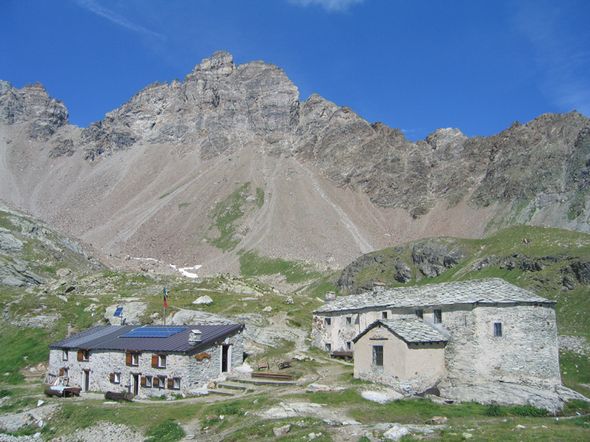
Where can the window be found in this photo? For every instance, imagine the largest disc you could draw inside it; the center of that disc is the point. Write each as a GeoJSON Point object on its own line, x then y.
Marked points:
{"type": "Point", "coordinates": [132, 359]}
{"type": "Point", "coordinates": [162, 381]}
{"type": "Point", "coordinates": [348, 320]}
{"type": "Point", "coordinates": [438, 316]}
{"type": "Point", "coordinates": [420, 313]}
{"type": "Point", "coordinates": [328, 321]}
{"type": "Point", "coordinates": [176, 383]}
{"type": "Point", "coordinates": [328, 347]}
{"type": "Point", "coordinates": [83, 355]}
{"type": "Point", "coordinates": [349, 345]}
{"type": "Point", "coordinates": [383, 315]}
{"type": "Point", "coordinates": [378, 355]}
{"type": "Point", "coordinates": [497, 329]}
{"type": "Point", "coordinates": [148, 382]}
{"type": "Point", "coordinates": [158, 361]}
{"type": "Point", "coordinates": [117, 378]}
{"type": "Point", "coordinates": [64, 355]}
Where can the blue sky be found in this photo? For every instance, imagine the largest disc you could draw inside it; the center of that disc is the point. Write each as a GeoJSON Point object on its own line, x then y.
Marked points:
{"type": "Point", "coordinates": [416, 65]}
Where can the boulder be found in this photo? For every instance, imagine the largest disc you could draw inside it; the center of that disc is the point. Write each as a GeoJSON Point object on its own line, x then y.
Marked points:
{"type": "Point", "coordinates": [281, 431]}
{"type": "Point", "coordinates": [396, 432]}
{"type": "Point", "coordinates": [403, 273]}
{"type": "Point", "coordinates": [203, 300]}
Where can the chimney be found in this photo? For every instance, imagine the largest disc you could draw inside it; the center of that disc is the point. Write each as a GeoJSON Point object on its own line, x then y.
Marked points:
{"type": "Point", "coordinates": [194, 336]}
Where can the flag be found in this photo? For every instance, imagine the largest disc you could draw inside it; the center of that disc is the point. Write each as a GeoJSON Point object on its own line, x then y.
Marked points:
{"type": "Point", "coordinates": [165, 297]}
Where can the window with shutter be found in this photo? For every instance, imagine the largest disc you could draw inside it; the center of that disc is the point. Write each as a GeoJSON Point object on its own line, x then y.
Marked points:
{"type": "Point", "coordinates": [170, 384]}
{"type": "Point", "coordinates": [112, 378]}
{"type": "Point", "coordinates": [154, 361]}
{"type": "Point", "coordinates": [80, 356]}
{"type": "Point", "coordinates": [148, 382]}
{"type": "Point", "coordinates": [62, 371]}
{"type": "Point", "coordinates": [156, 382]}
{"type": "Point", "coordinates": [128, 359]}
{"type": "Point", "coordinates": [143, 381]}
{"type": "Point", "coordinates": [83, 355]}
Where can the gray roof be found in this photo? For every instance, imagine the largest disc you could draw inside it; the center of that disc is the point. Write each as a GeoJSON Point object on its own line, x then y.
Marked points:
{"type": "Point", "coordinates": [108, 337]}
{"type": "Point", "coordinates": [413, 330]}
{"type": "Point", "coordinates": [478, 291]}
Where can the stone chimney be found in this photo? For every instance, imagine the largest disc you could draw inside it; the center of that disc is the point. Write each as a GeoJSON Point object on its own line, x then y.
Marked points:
{"type": "Point", "coordinates": [194, 336]}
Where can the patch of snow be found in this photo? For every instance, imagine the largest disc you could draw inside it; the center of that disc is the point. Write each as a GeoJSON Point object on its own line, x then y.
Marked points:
{"type": "Point", "coordinates": [184, 271]}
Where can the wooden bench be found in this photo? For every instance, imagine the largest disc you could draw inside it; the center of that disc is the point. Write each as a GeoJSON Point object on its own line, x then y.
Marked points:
{"type": "Point", "coordinates": [346, 355]}
{"type": "Point", "coordinates": [273, 376]}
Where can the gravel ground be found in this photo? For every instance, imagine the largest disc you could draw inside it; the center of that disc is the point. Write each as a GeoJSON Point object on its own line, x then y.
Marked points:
{"type": "Point", "coordinates": [103, 432]}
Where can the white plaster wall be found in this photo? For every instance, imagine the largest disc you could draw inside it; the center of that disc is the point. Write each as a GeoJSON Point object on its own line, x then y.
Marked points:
{"type": "Point", "coordinates": [417, 368]}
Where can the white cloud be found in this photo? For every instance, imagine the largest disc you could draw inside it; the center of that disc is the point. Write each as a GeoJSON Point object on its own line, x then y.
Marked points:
{"type": "Point", "coordinates": [560, 54]}
{"type": "Point", "coordinates": [329, 5]}
{"type": "Point", "coordinates": [96, 8]}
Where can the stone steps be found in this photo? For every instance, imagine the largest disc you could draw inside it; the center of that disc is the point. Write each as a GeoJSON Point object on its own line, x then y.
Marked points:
{"type": "Point", "coordinates": [265, 382]}
{"type": "Point", "coordinates": [234, 386]}
{"type": "Point", "coordinates": [223, 391]}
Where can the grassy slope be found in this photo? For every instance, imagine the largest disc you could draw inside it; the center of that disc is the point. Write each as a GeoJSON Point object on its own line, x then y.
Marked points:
{"type": "Point", "coordinates": [28, 346]}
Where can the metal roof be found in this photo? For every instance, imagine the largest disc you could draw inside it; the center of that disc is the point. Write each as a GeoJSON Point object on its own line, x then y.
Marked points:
{"type": "Point", "coordinates": [109, 337]}
{"type": "Point", "coordinates": [410, 330]}
{"type": "Point", "coordinates": [478, 291]}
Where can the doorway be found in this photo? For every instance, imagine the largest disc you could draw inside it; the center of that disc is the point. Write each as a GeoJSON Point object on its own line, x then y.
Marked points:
{"type": "Point", "coordinates": [135, 384]}
{"type": "Point", "coordinates": [225, 358]}
{"type": "Point", "coordinates": [86, 380]}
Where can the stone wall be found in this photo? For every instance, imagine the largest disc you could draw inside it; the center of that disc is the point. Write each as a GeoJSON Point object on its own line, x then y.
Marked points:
{"type": "Point", "coordinates": [101, 364]}
{"type": "Point", "coordinates": [526, 353]}
{"type": "Point", "coordinates": [341, 330]}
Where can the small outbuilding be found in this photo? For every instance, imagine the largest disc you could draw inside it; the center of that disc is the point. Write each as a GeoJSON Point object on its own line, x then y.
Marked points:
{"type": "Point", "coordinates": [404, 351]}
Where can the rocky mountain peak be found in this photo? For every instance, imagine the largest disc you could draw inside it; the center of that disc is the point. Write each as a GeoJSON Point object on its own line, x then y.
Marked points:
{"type": "Point", "coordinates": [444, 137]}
{"type": "Point", "coordinates": [220, 63]}
{"type": "Point", "coordinates": [32, 105]}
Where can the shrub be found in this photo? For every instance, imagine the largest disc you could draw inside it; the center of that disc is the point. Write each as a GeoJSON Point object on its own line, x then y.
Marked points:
{"type": "Point", "coordinates": [494, 410]}
{"type": "Point", "coordinates": [528, 410]}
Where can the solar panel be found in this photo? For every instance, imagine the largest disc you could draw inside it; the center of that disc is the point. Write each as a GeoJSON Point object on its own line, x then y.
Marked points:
{"type": "Point", "coordinates": [153, 332]}
{"type": "Point", "coordinates": [119, 312]}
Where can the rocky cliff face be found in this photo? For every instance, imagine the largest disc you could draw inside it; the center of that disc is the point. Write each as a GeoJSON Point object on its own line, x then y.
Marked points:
{"type": "Point", "coordinates": [219, 106]}
{"type": "Point", "coordinates": [224, 122]}
{"type": "Point", "coordinates": [32, 105]}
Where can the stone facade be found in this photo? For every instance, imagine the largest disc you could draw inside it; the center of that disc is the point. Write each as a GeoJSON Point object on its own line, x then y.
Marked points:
{"type": "Point", "coordinates": [192, 371]}
{"type": "Point", "coordinates": [488, 342]}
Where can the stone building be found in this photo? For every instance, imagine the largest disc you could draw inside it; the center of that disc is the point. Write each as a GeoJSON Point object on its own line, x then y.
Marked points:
{"type": "Point", "coordinates": [495, 332]}
{"type": "Point", "coordinates": [147, 360]}
{"type": "Point", "coordinates": [407, 351]}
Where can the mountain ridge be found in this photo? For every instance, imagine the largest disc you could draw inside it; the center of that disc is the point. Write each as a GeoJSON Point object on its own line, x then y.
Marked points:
{"type": "Point", "coordinates": [224, 122]}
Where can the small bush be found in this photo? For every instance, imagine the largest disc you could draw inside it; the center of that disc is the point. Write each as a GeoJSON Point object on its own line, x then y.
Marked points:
{"type": "Point", "coordinates": [167, 431]}
{"type": "Point", "coordinates": [528, 410]}
{"type": "Point", "coordinates": [494, 410]}
{"type": "Point", "coordinates": [5, 393]}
